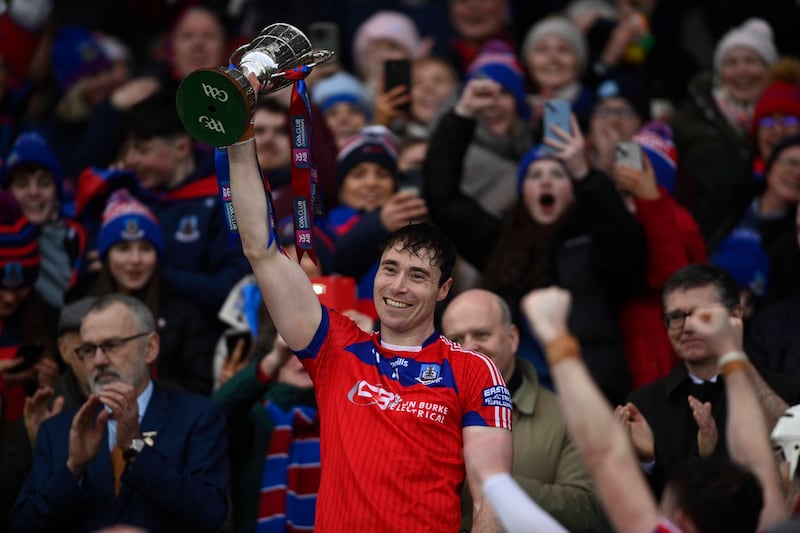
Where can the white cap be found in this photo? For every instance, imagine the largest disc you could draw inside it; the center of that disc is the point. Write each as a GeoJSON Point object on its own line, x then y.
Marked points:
{"type": "Point", "coordinates": [786, 434]}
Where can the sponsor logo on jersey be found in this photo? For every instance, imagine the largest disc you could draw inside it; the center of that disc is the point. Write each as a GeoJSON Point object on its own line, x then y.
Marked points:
{"type": "Point", "coordinates": [364, 393]}
{"type": "Point", "coordinates": [497, 396]}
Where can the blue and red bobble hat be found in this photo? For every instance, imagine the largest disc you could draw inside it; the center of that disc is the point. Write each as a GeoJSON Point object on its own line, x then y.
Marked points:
{"type": "Point", "coordinates": [76, 53]}
{"type": "Point", "coordinates": [498, 62]}
{"type": "Point", "coordinates": [127, 219]}
{"type": "Point", "coordinates": [19, 246]}
{"type": "Point", "coordinates": [655, 138]}
{"type": "Point", "coordinates": [375, 144]}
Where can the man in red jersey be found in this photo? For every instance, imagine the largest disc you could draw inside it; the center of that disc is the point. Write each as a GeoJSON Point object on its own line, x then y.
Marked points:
{"type": "Point", "coordinates": [405, 413]}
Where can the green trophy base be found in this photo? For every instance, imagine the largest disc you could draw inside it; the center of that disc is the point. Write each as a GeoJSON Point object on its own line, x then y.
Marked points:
{"type": "Point", "coordinates": [216, 105]}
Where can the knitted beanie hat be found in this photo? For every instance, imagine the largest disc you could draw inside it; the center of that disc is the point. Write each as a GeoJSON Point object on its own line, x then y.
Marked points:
{"type": "Point", "coordinates": [341, 87]}
{"type": "Point", "coordinates": [498, 62]}
{"type": "Point", "coordinates": [537, 153]}
{"type": "Point", "coordinates": [753, 33]}
{"type": "Point", "coordinates": [561, 27]}
{"type": "Point", "coordinates": [19, 246]}
{"type": "Point", "coordinates": [32, 148]}
{"type": "Point", "coordinates": [374, 144]}
{"type": "Point", "coordinates": [127, 219]}
{"type": "Point", "coordinates": [780, 97]}
{"type": "Point", "coordinates": [655, 138]}
{"type": "Point", "coordinates": [742, 254]}
{"type": "Point", "coordinates": [627, 88]}
{"type": "Point", "coordinates": [76, 53]}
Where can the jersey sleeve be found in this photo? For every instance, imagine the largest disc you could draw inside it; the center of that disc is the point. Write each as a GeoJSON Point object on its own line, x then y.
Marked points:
{"type": "Point", "coordinates": [487, 400]}
{"type": "Point", "coordinates": [335, 331]}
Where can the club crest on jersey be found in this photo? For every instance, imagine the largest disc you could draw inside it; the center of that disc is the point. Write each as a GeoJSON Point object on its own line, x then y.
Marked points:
{"type": "Point", "coordinates": [188, 229]}
{"type": "Point", "coordinates": [429, 373]}
{"type": "Point", "coordinates": [12, 275]}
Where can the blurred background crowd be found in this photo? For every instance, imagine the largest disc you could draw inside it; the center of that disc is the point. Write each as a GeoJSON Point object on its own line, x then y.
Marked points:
{"type": "Point", "coordinates": [102, 190]}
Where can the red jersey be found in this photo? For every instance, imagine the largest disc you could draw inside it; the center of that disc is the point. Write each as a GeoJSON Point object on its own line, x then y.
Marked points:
{"type": "Point", "coordinates": [391, 427]}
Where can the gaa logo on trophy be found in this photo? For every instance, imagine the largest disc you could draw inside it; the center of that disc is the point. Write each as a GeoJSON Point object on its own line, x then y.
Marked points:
{"type": "Point", "coordinates": [216, 105]}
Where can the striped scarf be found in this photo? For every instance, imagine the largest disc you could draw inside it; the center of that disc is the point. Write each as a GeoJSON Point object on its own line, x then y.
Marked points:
{"type": "Point", "coordinates": [290, 480]}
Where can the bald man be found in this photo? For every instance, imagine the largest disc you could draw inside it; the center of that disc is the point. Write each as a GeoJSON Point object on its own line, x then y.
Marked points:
{"type": "Point", "coordinates": [546, 463]}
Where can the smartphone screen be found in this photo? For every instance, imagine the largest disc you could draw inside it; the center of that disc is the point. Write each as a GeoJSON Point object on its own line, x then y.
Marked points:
{"type": "Point", "coordinates": [232, 338]}
{"type": "Point", "coordinates": [397, 72]}
{"type": "Point", "coordinates": [629, 154]}
{"type": "Point", "coordinates": [30, 353]}
{"type": "Point", "coordinates": [557, 113]}
{"type": "Point", "coordinates": [324, 35]}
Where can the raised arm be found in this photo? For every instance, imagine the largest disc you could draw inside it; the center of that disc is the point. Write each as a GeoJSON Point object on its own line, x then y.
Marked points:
{"type": "Point", "coordinates": [286, 289]}
{"type": "Point", "coordinates": [602, 442]}
{"type": "Point", "coordinates": [747, 431]}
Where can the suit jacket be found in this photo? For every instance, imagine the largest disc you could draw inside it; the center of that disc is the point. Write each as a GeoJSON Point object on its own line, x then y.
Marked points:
{"type": "Point", "coordinates": [665, 405]}
{"type": "Point", "coordinates": [178, 484]}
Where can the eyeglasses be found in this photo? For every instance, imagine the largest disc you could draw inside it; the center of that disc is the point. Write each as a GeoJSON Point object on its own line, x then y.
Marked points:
{"type": "Point", "coordinates": [787, 121]}
{"type": "Point", "coordinates": [109, 347]}
{"type": "Point", "coordinates": [677, 319]}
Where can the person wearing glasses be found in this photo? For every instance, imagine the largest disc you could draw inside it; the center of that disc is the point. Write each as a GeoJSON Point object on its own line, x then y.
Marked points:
{"type": "Point", "coordinates": [683, 415]}
{"type": "Point", "coordinates": [131, 247]}
{"type": "Point", "coordinates": [135, 453]}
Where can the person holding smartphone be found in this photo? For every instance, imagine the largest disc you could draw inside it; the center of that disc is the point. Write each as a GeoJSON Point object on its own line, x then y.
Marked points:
{"type": "Point", "coordinates": [568, 226]}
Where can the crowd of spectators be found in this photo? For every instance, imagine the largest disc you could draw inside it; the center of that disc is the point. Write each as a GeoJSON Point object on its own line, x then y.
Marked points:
{"type": "Point", "coordinates": [103, 191]}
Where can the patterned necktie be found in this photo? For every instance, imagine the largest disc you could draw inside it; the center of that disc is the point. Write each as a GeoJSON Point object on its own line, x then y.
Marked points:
{"type": "Point", "coordinates": [117, 467]}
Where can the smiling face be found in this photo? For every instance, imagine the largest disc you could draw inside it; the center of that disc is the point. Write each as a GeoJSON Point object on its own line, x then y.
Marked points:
{"type": "Point", "coordinates": [547, 190]}
{"type": "Point", "coordinates": [35, 190]}
{"type": "Point", "coordinates": [132, 264]}
{"type": "Point", "coordinates": [685, 339]}
{"type": "Point", "coordinates": [552, 63]}
{"type": "Point", "coordinates": [406, 291]}
{"type": "Point", "coordinates": [783, 180]}
{"type": "Point", "coordinates": [344, 120]}
{"type": "Point", "coordinates": [431, 83]}
{"type": "Point", "coordinates": [474, 319]}
{"type": "Point", "coordinates": [743, 73]}
{"type": "Point", "coordinates": [772, 129]}
{"type": "Point", "coordinates": [156, 161]}
{"type": "Point", "coordinates": [367, 186]}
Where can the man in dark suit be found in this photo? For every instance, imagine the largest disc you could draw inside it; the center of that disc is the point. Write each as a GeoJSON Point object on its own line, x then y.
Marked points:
{"type": "Point", "coordinates": [134, 453]}
{"type": "Point", "coordinates": [683, 415]}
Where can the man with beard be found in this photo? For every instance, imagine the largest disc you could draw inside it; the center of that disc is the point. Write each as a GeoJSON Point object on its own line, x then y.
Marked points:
{"type": "Point", "coordinates": [166, 468]}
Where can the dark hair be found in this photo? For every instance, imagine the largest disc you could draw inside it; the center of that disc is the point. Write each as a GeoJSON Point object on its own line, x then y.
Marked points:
{"type": "Point", "coordinates": [155, 116]}
{"type": "Point", "coordinates": [150, 294]}
{"type": "Point", "coordinates": [273, 105]}
{"type": "Point", "coordinates": [416, 238]}
{"type": "Point", "coordinates": [717, 495]}
{"type": "Point", "coordinates": [701, 275]}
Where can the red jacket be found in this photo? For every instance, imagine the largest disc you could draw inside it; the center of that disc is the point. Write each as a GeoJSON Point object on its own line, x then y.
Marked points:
{"type": "Point", "coordinates": [673, 241]}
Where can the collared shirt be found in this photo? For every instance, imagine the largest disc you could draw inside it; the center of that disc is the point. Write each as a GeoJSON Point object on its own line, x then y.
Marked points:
{"type": "Point", "coordinates": [143, 400]}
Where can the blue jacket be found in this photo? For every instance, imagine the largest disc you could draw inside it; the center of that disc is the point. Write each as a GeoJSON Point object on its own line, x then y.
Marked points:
{"type": "Point", "coordinates": [178, 484]}
{"type": "Point", "coordinates": [198, 264]}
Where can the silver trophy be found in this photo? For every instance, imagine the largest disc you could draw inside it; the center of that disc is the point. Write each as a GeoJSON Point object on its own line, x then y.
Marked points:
{"type": "Point", "coordinates": [216, 105]}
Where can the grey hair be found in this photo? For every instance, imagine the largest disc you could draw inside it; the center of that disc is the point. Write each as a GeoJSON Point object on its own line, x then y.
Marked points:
{"type": "Point", "coordinates": [141, 313]}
